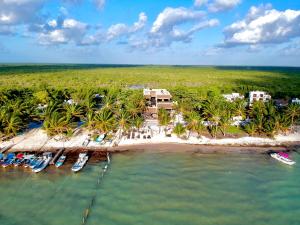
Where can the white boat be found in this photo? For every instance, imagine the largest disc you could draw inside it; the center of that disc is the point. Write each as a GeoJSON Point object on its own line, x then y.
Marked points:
{"type": "Point", "coordinates": [82, 160]}
{"type": "Point", "coordinates": [46, 160]}
{"type": "Point", "coordinates": [283, 158]}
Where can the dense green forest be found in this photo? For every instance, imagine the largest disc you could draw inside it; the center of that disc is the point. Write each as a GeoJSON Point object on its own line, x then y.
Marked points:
{"type": "Point", "coordinates": [106, 98]}
{"type": "Point", "coordinates": [279, 82]}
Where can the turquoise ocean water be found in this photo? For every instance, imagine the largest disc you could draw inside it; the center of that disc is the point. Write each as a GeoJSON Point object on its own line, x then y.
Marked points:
{"type": "Point", "coordinates": [156, 188]}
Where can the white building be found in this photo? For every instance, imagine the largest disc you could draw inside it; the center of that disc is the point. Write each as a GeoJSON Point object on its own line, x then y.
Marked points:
{"type": "Point", "coordinates": [295, 101]}
{"type": "Point", "coordinates": [233, 96]}
{"type": "Point", "coordinates": [258, 96]}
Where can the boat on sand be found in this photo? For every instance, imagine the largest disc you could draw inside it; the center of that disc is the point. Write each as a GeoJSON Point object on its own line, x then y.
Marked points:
{"type": "Point", "coordinates": [283, 157]}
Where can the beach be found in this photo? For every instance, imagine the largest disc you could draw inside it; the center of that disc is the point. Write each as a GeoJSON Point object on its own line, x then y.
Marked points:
{"type": "Point", "coordinates": [37, 140]}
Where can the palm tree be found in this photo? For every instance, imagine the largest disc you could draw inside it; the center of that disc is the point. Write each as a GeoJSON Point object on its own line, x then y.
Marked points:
{"type": "Point", "coordinates": [57, 124]}
{"type": "Point", "coordinates": [123, 120]}
{"type": "Point", "coordinates": [293, 112]}
{"type": "Point", "coordinates": [164, 117]}
{"type": "Point", "coordinates": [104, 121]}
{"type": "Point", "coordinates": [73, 111]}
{"type": "Point", "coordinates": [225, 121]}
{"type": "Point", "coordinates": [250, 128]}
{"type": "Point", "coordinates": [179, 129]}
{"type": "Point", "coordinates": [12, 124]}
{"type": "Point", "coordinates": [138, 122]}
{"type": "Point", "coordinates": [193, 120]}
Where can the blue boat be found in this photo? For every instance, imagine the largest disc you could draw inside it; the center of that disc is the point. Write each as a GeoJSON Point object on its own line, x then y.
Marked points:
{"type": "Point", "coordinates": [60, 161]}
{"type": "Point", "coordinates": [47, 156]}
{"type": "Point", "coordinates": [9, 160]}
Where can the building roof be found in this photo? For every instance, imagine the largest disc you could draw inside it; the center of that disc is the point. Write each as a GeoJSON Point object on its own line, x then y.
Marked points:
{"type": "Point", "coordinates": [157, 91]}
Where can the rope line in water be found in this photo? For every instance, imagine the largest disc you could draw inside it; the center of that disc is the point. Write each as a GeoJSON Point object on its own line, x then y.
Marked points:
{"type": "Point", "coordinates": [87, 211]}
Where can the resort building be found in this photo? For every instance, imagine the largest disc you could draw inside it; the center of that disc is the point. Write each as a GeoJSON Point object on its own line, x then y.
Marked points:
{"type": "Point", "coordinates": [157, 99]}
{"type": "Point", "coordinates": [233, 96]}
{"type": "Point", "coordinates": [258, 96]}
{"type": "Point", "coordinates": [295, 101]}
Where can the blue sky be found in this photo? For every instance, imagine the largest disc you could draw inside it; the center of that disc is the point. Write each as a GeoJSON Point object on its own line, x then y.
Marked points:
{"type": "Point", "coordinates": [189, 32]}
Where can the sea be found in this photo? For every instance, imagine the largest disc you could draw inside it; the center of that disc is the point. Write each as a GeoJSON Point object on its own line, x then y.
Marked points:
{"type": "Point", "coordinates": [150, 188]}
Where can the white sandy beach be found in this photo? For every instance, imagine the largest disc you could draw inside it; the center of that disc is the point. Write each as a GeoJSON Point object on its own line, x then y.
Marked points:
{"type": "Point", "coordinates": [37, 139]}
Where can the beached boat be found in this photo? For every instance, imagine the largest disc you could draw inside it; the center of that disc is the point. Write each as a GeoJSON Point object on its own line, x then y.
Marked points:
{"type": "Point", "coordinates": [46, 160]}
{"type": "Point", "coordinates": [100, 138]}
{"type": "Point", "coordinates": [35, 162]}
{"type": "Point", "coordinates": [19, 159]}
{"type": "Point", "coordinates": [82, 160]}
{"type": "Point", "coordinates": [60, 161]}
{"type": "Point", "coordinates": [28, 159]}
{"type": "Point", "coordinates": [283, 157]}
{"type": "Point", "coordinates": [9, 160]}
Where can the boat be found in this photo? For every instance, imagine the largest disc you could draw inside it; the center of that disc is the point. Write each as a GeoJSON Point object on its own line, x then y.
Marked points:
{"type": "Point", "coordinates": [283, 157]}
{"type": "Point", "coordinates": [82, 160]}
{"type": "Point", "coordinates": [46, 160]}
{"type": "Point", "coordinates": [1, 157]}
{"type": "Point", "coordinates": [100, 138]}
{"type": "Point", "coordinates": [60, 161]}
{"type": "Point", "coordinates": [10, 158]}
{"type": "Point", "coordinates": [28, 159]}
{"type": "Point", "coordinates": [35, 161]}
{"type": "Point", "coordinates": [19, 159]}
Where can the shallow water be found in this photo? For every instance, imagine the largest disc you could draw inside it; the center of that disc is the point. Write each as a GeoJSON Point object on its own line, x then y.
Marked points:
{"type": "Point", "coordinates": [157, 188]}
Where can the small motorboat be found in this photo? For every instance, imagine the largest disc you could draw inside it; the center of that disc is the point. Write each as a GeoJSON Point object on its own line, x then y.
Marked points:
{"type": "Point", "coordinates": [1, 157]}
{"type": "Point", "coordinates": [35, 162]}
{"type": "Point", "coordinates": [283, 157]}
{"type": "Point", "coordinates": [28, 159]}
{"type": "Point", "coordinates": [100, 138]}
{"type": "Point", "coordinates": [60, 161]}
{"type": "Point", "coordinates": [9, 160]}
{"type": "Point", "coordinates": [82, 160]}
{"type": "Point", "coordinates": [19, 159]}
{"type": "Point", "coordinates": [46, 160]}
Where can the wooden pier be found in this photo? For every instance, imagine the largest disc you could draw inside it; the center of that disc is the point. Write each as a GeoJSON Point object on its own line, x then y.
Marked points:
{"type": "Point", "coordinates": [60, 151]}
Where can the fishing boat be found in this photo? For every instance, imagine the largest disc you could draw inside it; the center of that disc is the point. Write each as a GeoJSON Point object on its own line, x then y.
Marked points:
{"type": "Point", "coordinates": [28, 159]}
{"type": "Point", "coordinates": [35, 162]}
{"type": "Point", "coordinates": [283, 157]}
{"type": "Point", "coordinates": [9, 160]}
{"type": "Point", "coordinates": [46, 160]}
{"type": "Point", "coordinates": [19, 159]}
{"type": "Point", "coordinates": [82, 160]}
{"type": "Point", "coordinates": [1, 157]}
{"type": "Point", "coordinates": [60, 161]}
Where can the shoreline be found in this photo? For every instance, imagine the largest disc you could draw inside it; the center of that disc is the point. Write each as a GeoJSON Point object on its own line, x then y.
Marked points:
{"type": "Point", "coordinates": [36, 140]}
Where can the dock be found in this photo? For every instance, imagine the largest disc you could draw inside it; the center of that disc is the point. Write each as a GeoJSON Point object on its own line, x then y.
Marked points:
{"type": "Point", "coordinates": [60, 151]}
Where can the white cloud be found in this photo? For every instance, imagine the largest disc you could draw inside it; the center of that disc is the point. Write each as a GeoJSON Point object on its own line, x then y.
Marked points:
{"type": "Point", "coordinates": [222, 5]}
{"type": "Point", "coordinates": [167, 28]}
{"type": "Point", "coordinates": [217, 5]}
{"type": "Point", "coordinates": [120, 29]}
{"type": "Point", "coordinates": [63, 32]}
{"type": "Point", "coordinates": [263, 25]}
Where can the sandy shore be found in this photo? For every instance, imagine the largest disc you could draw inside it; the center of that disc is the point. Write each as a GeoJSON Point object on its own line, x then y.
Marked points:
{"type": "Point", "coordinates": [37, 140]}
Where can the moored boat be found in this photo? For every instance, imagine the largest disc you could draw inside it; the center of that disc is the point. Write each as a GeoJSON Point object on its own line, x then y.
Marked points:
{"type": "Point", "coordinates": [82, 160]}
{"type": "Point", "coordinates": [9, 160]}
{"type": "Point", "coordinates": [19, 159]}
{"type": "Point", "coordinates": [46, 160]}
{"type": "Point", "coordinates": [283, 157]}
{"type": "Point", "coordinates": [60, 161]}
{"type": "Point", "coordinates": [28, 159]}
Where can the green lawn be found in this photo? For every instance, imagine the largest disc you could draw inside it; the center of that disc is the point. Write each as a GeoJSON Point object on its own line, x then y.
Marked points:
{"type": "Point", "coordinates": [278, 81]}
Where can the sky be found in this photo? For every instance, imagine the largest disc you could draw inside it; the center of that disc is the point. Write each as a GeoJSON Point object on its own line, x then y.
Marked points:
{"type": "Point", "coordinates": [173, 32]}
